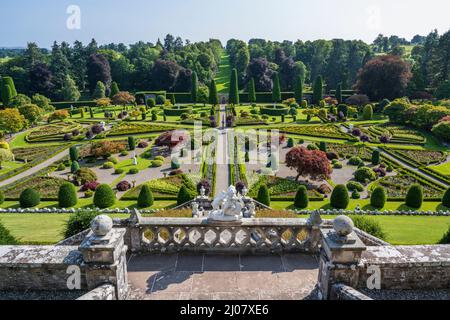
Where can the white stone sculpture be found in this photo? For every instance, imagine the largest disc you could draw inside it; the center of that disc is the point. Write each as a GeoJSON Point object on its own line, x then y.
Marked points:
{"type": "Point", "coordinates": [227, 207]}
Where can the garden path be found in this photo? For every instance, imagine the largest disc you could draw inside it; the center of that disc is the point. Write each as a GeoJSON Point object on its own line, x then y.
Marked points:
{"type": "Point", "coordinates": [222, 172]}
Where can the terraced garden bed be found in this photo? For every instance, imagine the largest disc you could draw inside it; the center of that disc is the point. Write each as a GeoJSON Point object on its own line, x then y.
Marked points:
{"type": "Point", "coordinates": [350, 150]}
{"type": "Point", "coordinates": [48, 187]}
{"type": "Point", "coordinates": [34, 153]}
{"type": "Point", "coordinates": [127, 128]}
{"type": "Point", "coordinates": [398, 134]}
{"type": "Point", "coordinates": [327, 130]}
{"type": "Point", "coordinates": [52, 132]}
{"type": "Point", "coordinates": [418, 158]}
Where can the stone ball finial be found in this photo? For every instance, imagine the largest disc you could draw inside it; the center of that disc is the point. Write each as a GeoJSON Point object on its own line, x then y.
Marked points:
{"type": "Point", "coordinates": [343, 226]}
{"type": "Point", "coordinates": [101, 225]}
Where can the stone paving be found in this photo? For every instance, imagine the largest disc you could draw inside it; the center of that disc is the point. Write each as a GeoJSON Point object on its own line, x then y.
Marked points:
{"type": "Point", "coordinates": [223, 277]}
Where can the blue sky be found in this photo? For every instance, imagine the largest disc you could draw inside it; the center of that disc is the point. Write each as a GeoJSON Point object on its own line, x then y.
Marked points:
{"type": "Point", "coordinates": [129, 21]}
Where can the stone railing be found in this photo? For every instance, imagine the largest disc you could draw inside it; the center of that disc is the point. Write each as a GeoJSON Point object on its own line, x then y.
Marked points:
{"type": "Point", "coordinates": [342, 292]}
{"type": "Point", "coordinates": [166, 235]}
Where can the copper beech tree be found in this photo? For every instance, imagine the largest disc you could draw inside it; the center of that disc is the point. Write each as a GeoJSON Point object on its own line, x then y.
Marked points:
{"type": "Point", "coordinates": [312, 163]}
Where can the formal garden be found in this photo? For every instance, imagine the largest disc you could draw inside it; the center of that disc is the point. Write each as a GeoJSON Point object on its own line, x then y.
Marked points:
{"type": "Point", "coordinates": [340, 147]}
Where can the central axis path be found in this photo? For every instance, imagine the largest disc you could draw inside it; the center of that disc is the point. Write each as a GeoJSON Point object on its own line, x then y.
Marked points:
{"type": "Point", "coordinates": [222, 172]}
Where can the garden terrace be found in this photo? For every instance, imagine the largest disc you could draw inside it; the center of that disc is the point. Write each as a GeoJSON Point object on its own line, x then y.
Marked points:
{"type": "Point", "coordinates": [48, 187]}
{"type": "Point", "coordinates": [128, 128]}
{"type": "Point", "coordinates": [347, 151]}
{"type": "Point", "coordinates": [397, 134]}
{"type": "Point", "coordinates": [329, 131]}
{"type": "Point", "coordinates": [417, 158]}
{"type": "Point", "coordinates": [52, 132]}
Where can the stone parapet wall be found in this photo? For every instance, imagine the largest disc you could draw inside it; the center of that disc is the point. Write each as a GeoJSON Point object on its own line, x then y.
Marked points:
{"type": "Point", "coordinates": [25, 268]}
{"type": "Point", "coordinates": [104, 292]}
{"type": "Point", "coordinates": [342, 292]}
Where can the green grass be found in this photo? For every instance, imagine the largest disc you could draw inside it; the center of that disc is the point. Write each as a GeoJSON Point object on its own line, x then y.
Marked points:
{"type": "Point", "coordinates": [8, 166]}
{"type": "Point", "coordinates": [224, 74]}
{"type": "Point", "coordinates": [442, 168]}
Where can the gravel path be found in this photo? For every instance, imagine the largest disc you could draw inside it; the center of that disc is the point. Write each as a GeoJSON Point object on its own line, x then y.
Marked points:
{"type": "Point", "coordinates": [222, 172]}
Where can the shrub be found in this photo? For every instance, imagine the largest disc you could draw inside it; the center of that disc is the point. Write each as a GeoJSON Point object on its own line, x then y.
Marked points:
{"type": "Point", "coordinates": [337, 165]}
{"type": "Point", "coordinates": [108, 165]}
{"type": "Point", "coordinates": [290, 143]}
{"type": "Point", "coordinates": [61, 167]}
{"type": "Point", "coordinates": [263, 195]}
{"type": "Point", "coordinates": [157, 163]}
{"type": "Point", "coordinates": [445, 239]}
{"type": "Point", "coordinates": [142, 145]}
{"type": "Point", "coordinates": [301, 198]}
{"type": "Point", "coordinates": [132, 143]}
{"type": "Point", "coordinates": [89, 194]}
{"type": "Point", "coordinates": [6, 238]}
{"type": "Point", "coordinates": [183, 196]}
{"type": "Point", "coordinates": [378, 198]}
{"type": "Point", "coordinates": [113, 160]}
{"type": "Point", "coordinates": [159, 158]}
{"type": "Point", "coordinates": [175, 164]}
{"type": "Point", "coordinates": [414, 197]}
{"type": "Point", "coordinates": [74, 167]}
{"type": "Point", "coordinates": [376, 157]}
{"type": "Point", "coordinates": [160, 99]}
{"type": "Point", "coordinates": [67, 196]}
{"type": "Point", "coordinates": [356, 195]}
{"type": "Point", "coordinates": [368, 112]}
{"type": "Point", "coordinates": [104, 197]}
{"type": "Point", "coordinates": [323, 146]}
{"type": "Point", "coordinates": [339, 198]}
{"type": "Point", "coordinates": [79, 222]}
{"type": "Point", "coordinates": [119, 171]}
{"type": "Point", "coordinates": [151, 103]}
{"type": "Point", "coordinates": [92, 186]}
{"type": "Point", "coordinates": [370, 226]}
{"type": "Point", "coordinates": [312, 147]}
{"type": "Point", "coordinates": [86, 175]}
{"type": "Point", "coordinates": [445, 198]}
{"type": "Point", "coordinates": [74, 154]}
{"type": "Point", "coordinates": [133, 171]}
{"type": "Point", "coordinates": [2, 197]}
{"type": "Point", "coordinates": [123, 186]}
{"type": "Point", "coordinates": [355, 161]}
{"type": "Point", "coordinates": [365, 174]}
{"type": "Point", "coordinates": [124, 153]}
{"type": "Point", "coordinates": [145, 198]}
{"type": "Point", "coordinates": [353, 185]}
{"type": "Point", "coordinates": [29, 198]}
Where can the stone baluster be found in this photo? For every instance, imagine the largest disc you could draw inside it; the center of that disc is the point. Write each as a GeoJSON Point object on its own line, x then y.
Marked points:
{"type": "Point", "coordinates": [104, 256]}
{"type": "Point", "coordinates": [340, 256]}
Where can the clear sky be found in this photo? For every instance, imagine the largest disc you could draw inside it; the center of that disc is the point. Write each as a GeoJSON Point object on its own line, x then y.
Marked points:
{"type": "Point", "coordinates": [129, 21]}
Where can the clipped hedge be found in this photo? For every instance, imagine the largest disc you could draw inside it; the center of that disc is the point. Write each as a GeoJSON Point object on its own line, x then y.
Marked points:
{"type": "Point", "coordinates": [67, 195]}
{"type": "Point", "coordinates": [177, 111]}
{"type": "Point", "coordinates": [29, 198]}
{"type": "Point", "coordinates": [104, 197]}
{"type": "Point", "coordinates": [280, 110]}
{"type": "Point", "coordinates": [75, 104]}
{"type": "Point", "coordinates": [145, 199]}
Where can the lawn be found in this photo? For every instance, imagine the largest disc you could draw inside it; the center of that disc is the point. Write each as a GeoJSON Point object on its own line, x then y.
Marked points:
{"type": "Point", "coordinates": [223, 76]}
{"type": "Point", "coordinates": [442, 169]}
{"type": "Point", "coordinates": [8, 166]}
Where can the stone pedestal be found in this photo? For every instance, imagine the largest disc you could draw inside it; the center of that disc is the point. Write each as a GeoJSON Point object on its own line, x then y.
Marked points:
{"type": "Point", "coordinates": [105, 260]}
{"type": "Point", "coordinates": [340, 257]}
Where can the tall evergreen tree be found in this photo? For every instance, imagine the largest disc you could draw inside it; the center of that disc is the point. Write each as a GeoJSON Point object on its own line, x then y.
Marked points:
{"type": "Point", "coordinates": [100, 91]}
{"type": "Point", "coordinates": [318, 90]}
{"type": "Point", "coordinates": [60, 68]}
{"type": "Point", "coordinates": [213, 97]}
{"type": "Point", "coordinates": [7, 95]}
{"type": "Point", "coordinates": [114, 89]}
{"type": "Point", "coordinates": [276, 93]}
{"type": "Point", "coordinates": [234, 90]}
{"type": "Point", "coordinates": [252, 91]}
{"type": "Point", "coordinates": [10, 82]}
{"type": "Point", "coordinates": [69, 90]}
{"type": "Point", "coordinates": [299, 89]}
{"type": "Point", "coordinates": [194, 87]}
{"type": "Point", "coordinates": [339, 93]}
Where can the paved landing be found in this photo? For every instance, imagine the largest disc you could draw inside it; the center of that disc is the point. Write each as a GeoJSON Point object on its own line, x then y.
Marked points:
{"type": "Point", "coordinates": [222, 277]}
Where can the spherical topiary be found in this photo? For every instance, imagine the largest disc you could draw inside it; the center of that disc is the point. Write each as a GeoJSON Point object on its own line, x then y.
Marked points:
{"type": "Point", "coordinates": [74, 167]}
{"type": "Point", "coordinates": [414, 197]}
{"type": "Point", "coordinates": [145, 198]}
{"type": "Point", "coordinates": [29, 198]}
{"type": "Point", "coordinates": [353, 185]}
{"type": "Point", "coordinates": [365, 174]}
{"type": "Point", "coordinates": [2, 197]}
{"type": "Point", "coordinates": [67, 196]}
{"type": "Point", "coordinates": [104, 197]}
{"type": "Point", "coordinates": [446, 199]}
{"type": "Point", "coordinates": [160, 99]}
{"type": "Point", "coordinates": [301, 198]}
{"type": "Point", "coordinates": [378, 198]}
{"type": "Point", "coordinates": [339, 198]}
{"type": "Point", "coordinates": [263, 195]}
{"type": "Point", "coordinates": [183, 196]}
{"type": "Point", "coordinates": [108, 165]}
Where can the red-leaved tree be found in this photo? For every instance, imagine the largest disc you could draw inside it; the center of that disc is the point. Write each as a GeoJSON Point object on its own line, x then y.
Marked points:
{"type": "Point", "coordinates": [312, 163]}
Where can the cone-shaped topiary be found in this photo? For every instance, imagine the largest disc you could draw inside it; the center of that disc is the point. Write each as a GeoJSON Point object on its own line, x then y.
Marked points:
{"type": "Point", "coordinates": [290, 143]}
{"type": "Point", "coordinates": [6, 238]}
{"type": "Point", "coordinates": [263, 195]}
{"type": "Point", "coordinates": [339, 198]}
{"type": "Point", "coordinates": [301, 198]}
{"type": "Point", "coordinates": [446, 198]}
{"type": "Point", "coordinates": [376, 157]}
{"type": "Point", "coordinates": [104, 197]}
{"type": "Point", "coordinates": [145, 198]}
{"type": "Point", "coordinates": [132, 143]}
{"type": "Point", "coordinates": [183, 196]}
{"type": "Point", "coordinates": [251, 91]}
{"type": "Point", "coordinates": [75, 167]}
{"type": "Point", "coordinates": [2, 197]}
{"type": "Point", "coordinates": [276, 93]}
{"type": "Point", "coordinates": [29, 198]}
{"type": "Point", "coordinates": [67, 196]}
{"type": "Point", "coordinates": [378, 198]}
{"type": "Point", "coordinates": [74, 154]}
{"type": "Point", "coordinates": [446, 238]}
{"type": "Point", "coordinates": [414, 197]}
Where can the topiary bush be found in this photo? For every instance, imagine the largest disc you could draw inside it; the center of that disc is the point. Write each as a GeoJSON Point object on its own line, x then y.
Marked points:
{"type": "Point", "coordinates": [29, 198]}
{"type": "Point", "coordinates": [6, 238]}
{"type": "Point", "coordinates": [414, 197]}
{"type": "Point", "coordinates": [123, 186]}
{"type": "Point", "coordinates": [61, 167]}
{"type": "Point", "coordinates": [446, 198]}
{"type": "Point", "coordinates": [353, 185]}
{"type": "Point", "coordinates": [301, 200]}
{"type": "Point", "coordinates": [133, 171]}
{"type": "Point", "coordinates": [376, 157]}
{"type": "Point", "coordinates": [145, 199]}
{"type": "Point", "coordinates": [365, 174]}
{"type": "Point", "coordinates": [355, 161]}
{"type": "Point", "coordinates": [104, 197]}
{"type": "Point", "coordinates": [183, 196]}
{"type": "Point", "coordinates": [119, 171]}
{"type": "Point", "coordinates": [370, 226]}
{"type": "Point", "coordinates": [2, 197]}
{"type": "Point", "coordinates": [446, 238]}
{"type": "Point", "coordinates": [290, 143]}
{"type": "Point", "coordinates": [84, 175]}
{"type": "Point", "coordinates": [378, 198]}
{"type": "Point", "coordinates": [79, 222]}
{"type": "Point", "coordinates": [356, 195]}
{"type": "Point", "coordinates": [74, 154]}
{"type": "Point", "coordinates": [108, 165]}
{"type": "Point", "coordinates": [132, 143]}
{"type": "Point", "coordinates": [157, 163]}
{"type": "Point", "coordinates": [263, 195]}
{"type": "Point", "coordinates": [175, 164]}
{"type": "Point", "coordinates": [67, 196]}
{"type": "Point", "coordinates": [339, 198]}
{"type": "Point", "coordinates": [74, 167]}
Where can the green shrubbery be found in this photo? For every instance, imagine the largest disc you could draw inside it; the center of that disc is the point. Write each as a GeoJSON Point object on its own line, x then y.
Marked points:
{"type": "Point", "coordinates": [365, 174]}
{"type": "Point", "coordinates": [339, 198]}
{"type": "Point", "coordinates": [353, 185]}
{"type": "Point", "coordinates": [378, 198]}
{"type": "Point", "coordinates": [67, 196]}
{"type": "Point", "coordinates": [446, 198]}
{"type": "Point", "coordinates": [263, 195]}
{"type": "Point", "coordinates": [370, 226]}
{"type": "Point", "coordinates": [145, 198]}
{"type": "Point", "coordinates": [104, 197]}
{"type": "Point", "coordinates": [446, 238]}
{"type": "Point", "coordinates": [183, 196]}
{"type": "Point", "coordinates": [79, 222]}
{"type": "Point", "coordinates": [414, 197]}
{"type": "Point", "coordinates": [29, 198]}
{"type": "Point", "coordinates": [301, 198]}
{"type": "Point", "coordinates": [2, 197]}
{"type": "Point", "coordinates": [6, 238]}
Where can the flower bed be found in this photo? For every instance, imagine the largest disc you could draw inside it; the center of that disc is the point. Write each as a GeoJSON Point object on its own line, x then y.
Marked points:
{"type": "Point", "coordinates": [350, 150]}
{"type": "Point", "coordinates": [326, 131]}
{"type": "Point", "coordinates": [127, 128]}
{"type": "Point", "coordinates": [421, 157]}
{"type": "Point", "coordinates": [280, 187]}
{"type": "Point", "coordinates": [399, 134]}
{"type": "Point", "coordinates": [48, 187]}
{"type": "Point", "coordinates": [397, 186]}
{"type": "Point", "coordinates": [34, 153]}
{"type": "Point", "coordinates": [52, 132]}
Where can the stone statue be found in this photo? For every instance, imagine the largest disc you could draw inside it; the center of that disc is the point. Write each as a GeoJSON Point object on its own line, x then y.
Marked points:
{"type": "Point", "coordinates": [251, 210]}
{"type": "Point", "coordinates": [135, 160]}
{"type": "Point", "coordinates": [227, 207]}
{"type": "Point", "coordinates": [202, 192]}
{"type": "Point", "coordinates": [195, 210]}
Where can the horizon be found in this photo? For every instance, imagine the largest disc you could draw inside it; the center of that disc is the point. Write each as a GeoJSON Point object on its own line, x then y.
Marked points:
{"type": "Point", "coordinates": [200, 20]}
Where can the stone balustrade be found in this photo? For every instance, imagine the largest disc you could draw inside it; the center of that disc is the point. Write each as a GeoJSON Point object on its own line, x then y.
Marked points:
{"type": "Point", "coordinates": [167, 235]}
